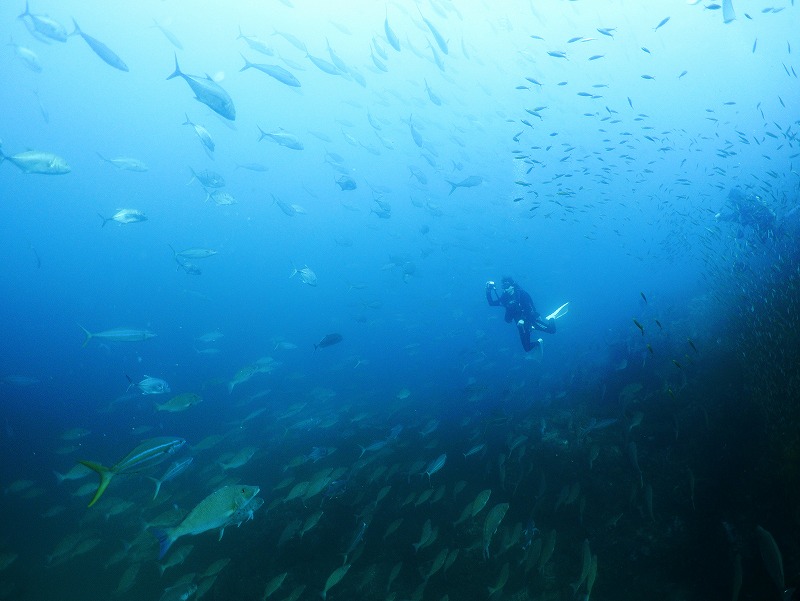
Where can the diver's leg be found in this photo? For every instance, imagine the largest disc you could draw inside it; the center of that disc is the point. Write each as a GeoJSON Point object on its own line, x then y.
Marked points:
{"type": "Point", "coordinates": [548, 325]}
{"type": "Point", "coordinates": [524, 334]}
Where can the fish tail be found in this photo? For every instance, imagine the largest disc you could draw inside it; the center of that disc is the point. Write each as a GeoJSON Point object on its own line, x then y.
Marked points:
{"type": "Point", "coordinates": [105, 220]}
{"type": "Point", "coordinates": [158, 487]}
{"type": "Point", "coordinates": [165, 540]}
{"type": "Point", "coordinates": [452, 186]}
{"type": "Point", "coordinates": [247, 63]}
{"type": "Point", "coordinates": [177, 72]}
{"type": "Point", "coordinates": [85, 331]}
{"type": "Point", "coordinates": [105, 478]}
{"type": "Point", "coordinates": [59, 477]}
{"type": "Point", "coordinates": [77, 29]}
{"type": "Point", "coordinates": [263, 133]}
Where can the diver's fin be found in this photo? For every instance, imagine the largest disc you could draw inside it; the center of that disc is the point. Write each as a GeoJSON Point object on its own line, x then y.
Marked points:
{"type": "Point", "coordinates": [539, 354]}
{"type": "Point", "coordinates": [560, 312]}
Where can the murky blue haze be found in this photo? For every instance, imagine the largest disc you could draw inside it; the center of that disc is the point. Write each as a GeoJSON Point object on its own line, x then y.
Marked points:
{"type": "Point", "coordinates": [648, 448]}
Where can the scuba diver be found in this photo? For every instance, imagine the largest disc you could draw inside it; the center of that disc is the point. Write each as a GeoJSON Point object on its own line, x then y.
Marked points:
{"type": "Point", "coordinates": [520, 309]}
{"type": "Point", "coordinates": [749, 211]}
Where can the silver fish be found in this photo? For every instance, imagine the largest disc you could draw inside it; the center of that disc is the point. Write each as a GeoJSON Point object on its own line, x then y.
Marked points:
{"type": "Point", "coordinates": [124, 216]}
{"type": "Point", "coordinates": [169, 35]}
{"type": "Point", "coordinates": [202, 133]}
{"type": "Point", "coordinates": [255, 43]}
{"type": "Point", "coordinates": [35, 161]}
{"type": "Point", "coordinates": [125, 163]}
{"type": "Point", "coordinates": [117, 335]}
{"type": "Point", "coordinates": [42, 26]}
{"type": "Point", "coordinates": [276, 71]}
{"type": "Point", "coordinates": [27, 56]}
{"type": "Point", "coordinates": [151, 385]}
{"type": "Point", "coordinates": [177, 467]}
{"type": "Point", "coordinates": [209, 92]}
{"type": "Point", "coordinates": [306, 275]}
{"type": "Point", "coordinates": [283, 138]}
{"type": "Point", "coordinates": [100, 49]}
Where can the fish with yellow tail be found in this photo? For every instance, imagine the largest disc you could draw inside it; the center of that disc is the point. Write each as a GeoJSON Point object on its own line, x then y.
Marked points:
{"type": "Point", "coordinates": [149, 453]}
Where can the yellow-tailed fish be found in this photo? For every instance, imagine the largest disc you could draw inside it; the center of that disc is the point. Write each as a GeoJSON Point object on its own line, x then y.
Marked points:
{"type": "Point", "coordinates": [149, 453]}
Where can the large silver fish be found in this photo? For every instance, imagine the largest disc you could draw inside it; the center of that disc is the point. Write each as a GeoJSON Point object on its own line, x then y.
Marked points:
{"type": "Point", "coordinates": [209, 92]}
{"type": "Point", "coordinates": [35, 161]}
{"type": "Point", "coordinates": [117, 335]}
{"type": "Point", "coordinates": [42, 26]}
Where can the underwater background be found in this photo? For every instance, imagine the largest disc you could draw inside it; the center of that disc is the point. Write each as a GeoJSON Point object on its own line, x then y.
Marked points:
{"type": "Point", "coordinates": [288, 273]}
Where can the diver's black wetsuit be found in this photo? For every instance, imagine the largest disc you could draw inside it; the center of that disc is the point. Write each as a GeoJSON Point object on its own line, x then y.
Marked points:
{"type": "Point", "coordinates": [520, 309]}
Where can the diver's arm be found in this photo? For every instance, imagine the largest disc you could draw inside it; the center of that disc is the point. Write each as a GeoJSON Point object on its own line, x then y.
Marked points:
{"type": "Point", "coordinates": [491, 295]}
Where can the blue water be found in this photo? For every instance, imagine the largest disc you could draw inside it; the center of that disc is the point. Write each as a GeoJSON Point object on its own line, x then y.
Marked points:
{"type": "Point", "coordinates": [601, 184]}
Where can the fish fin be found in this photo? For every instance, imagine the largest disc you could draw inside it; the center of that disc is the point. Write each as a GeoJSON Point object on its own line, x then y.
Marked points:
{"type": "Point", "coordinates": [177, 72]}
{"type": "Point", "coordinates": [27, 11]}
{"type": "Point", "coordinates": [85, 331]}
{"type": "Point", "coordinates": [221, 532]}
{"type": "Point", "coordinates": [165, 540]}
{"type": "Point", "coordinates": [158, 486]}
{"type": "Point", "coordinates": [247, 63]}
{"type": "Point", "coordinates": [105, 478]}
